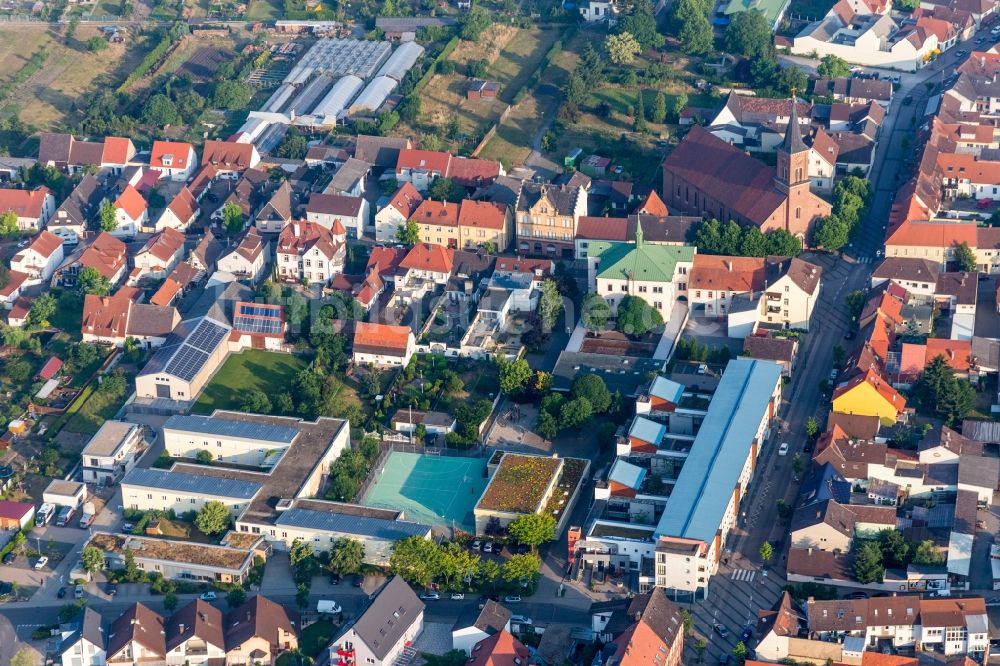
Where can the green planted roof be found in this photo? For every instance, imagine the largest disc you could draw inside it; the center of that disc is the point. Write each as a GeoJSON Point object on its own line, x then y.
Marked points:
{"type": "Point", "coordinates": [639, 261]}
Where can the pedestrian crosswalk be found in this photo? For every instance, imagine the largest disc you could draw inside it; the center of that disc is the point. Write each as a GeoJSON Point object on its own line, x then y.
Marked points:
{"type": "Point", "coordinates": [746, 575]}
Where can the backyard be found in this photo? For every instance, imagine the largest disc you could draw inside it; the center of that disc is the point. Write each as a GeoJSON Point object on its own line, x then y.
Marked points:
{"type": "Point", "coordinates": [253, 369]}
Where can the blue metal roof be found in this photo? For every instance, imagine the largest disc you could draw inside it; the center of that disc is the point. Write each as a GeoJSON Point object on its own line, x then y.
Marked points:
{"type": "Point", "coordinates": [710, 473]}
{"type": "Point", "coordinates": [191, 483]}
{"type": "Point", "coordinates": [648, 431]}
{"type": "Point", "coordinates": [342, 523]}
{"type": "Point", "coordinates": [825, 484]}
{"type": "Point", "coordinates": [627, 474]}
{"type": "Point", "coordinates": [667, 389]}
{"type": "Point", "coordinates": [210, 425]}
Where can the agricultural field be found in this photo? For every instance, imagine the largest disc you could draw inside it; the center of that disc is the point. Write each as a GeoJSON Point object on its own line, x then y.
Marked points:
{"type": "Point", "coordinates": [46, 98]}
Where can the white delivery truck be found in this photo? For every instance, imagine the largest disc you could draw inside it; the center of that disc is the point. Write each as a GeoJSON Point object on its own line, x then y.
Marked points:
{"type": "Point", "coordinates": [328, 606]}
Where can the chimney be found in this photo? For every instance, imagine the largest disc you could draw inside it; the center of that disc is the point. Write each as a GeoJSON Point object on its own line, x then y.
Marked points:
{"type": "Point", "coordinates": [729, 266]}
{"type": "Point", "coordinates": [180, 628]}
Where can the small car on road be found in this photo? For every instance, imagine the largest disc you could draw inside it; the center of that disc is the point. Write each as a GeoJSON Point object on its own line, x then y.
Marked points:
{"type": "Point", "coordinates": [208, 596]}
{"type": "Point", "coordinates": [512, 600]}
{"type": "Point", "coordinates": [40, 564]}
{"type": "Point", "coordinates": [457, 596]}
{"type": "Point", "coordinates": [720, 629]}
{"type": "Point", "coordinates": [78, 592]}
{"type": "Point", "coordinates": [430, 596]}
{"type": "Point", "coordinates": [783, 449]}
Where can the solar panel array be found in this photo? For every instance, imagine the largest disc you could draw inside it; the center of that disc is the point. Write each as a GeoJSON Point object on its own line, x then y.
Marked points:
{"type": "Point", "coordinates": [191, 356]}
{"type": "Point", "coordinates": [257, 318]}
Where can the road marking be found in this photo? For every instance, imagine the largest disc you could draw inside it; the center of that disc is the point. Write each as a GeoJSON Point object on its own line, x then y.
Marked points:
{"type": "Point", "coordinates": [744, 575]}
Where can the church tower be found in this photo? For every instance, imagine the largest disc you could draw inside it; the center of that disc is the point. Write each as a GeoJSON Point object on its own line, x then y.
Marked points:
{"type": "Point", "coordinates": [793, 157]}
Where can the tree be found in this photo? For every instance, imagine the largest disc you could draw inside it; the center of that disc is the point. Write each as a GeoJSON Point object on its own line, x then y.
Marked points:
{"type": "Point", "coordinates": [833, 67]}
{"type": "Point", "coordinates": [766, 551]}
{"type": "Point", "coordinates": [965, 258]}
{"type": "Point", "coordinates": [658, 114]}
{"type": "Point", "coordinates": [547, 426]}
{"type": "Point", "coordinates": [108, 216]}
{"type": "Point", "coordinates": [8, 223]}
{"type": "Point", "coordinates": [294, 146]}
{"type": "Point", "coordinates": [159, 111]}
{"type": "Point", "coordinates": [695, 30]}
{"type": "Point", "coordinates": [514, 375]}
{"type": "Point", "coordinates": [939, 392]}
{"type": "Point", "coordinates": [446, 189]}
{"type": "Point", "coordinates": [796, 464]}
{"type": "Point", "coordinates": [255, 401]}
{"type": "Point", "coordinates": [237, 596]}
{"type": "Point", "coordinates": [488, 572]}
{"type": "Point", "coordinates": [812, 427]}
{"type": "Point", "coordinates": [204, 457]}
{"type": "Point", "coordinates": [595, 312]}
{"type": "Point", "coordinates": [232, 218]}
{"type": "Point", "coordinates": [89, 281]}
{"type": "Point", "coordinates": [831, 233]}
{"type": "Point", "coordinates": [549, 304]}
{"type": "Point", "coordinates": [521, 568]}
{"type": "Point", "coordinates": [232, 95]}
{"type": "Point", "coordinates": [636, 317]}
{"type": "Point", "coordinates": [96, 44]}
{"type": "Point", "coordinates": [300, 553]}
{"type": "Point", "coordinates": [679, 104]}
{"type": "Point", "coordinates": [868, 564]}
{"type": "Point", "coordinates": [473, 23]}
{"type": "Point", "coordinates": [93, 559]}
{"type": "Point", "coordinates": [640, 114]}
{"type": "Point", "coordinates": [24, 657]}
{"type": "Point", "coordinates": [894, 550]}
{"type": "Point", "coordinates": [790, 79]}
{"type": "Point", "coordinates": [575, 413]}
{"type": "Point", "coordinates": [748, 34]}
{"type": "Point", "coordinates": [753, 243]}
{"type": "Point", "coordinates": [927, 554]}
{"type": "Point", "coordinates": [622, 48]}
{"type": "Point", "coordinates": [213, 518]}
{"type": "Point", "coordinates": [533, 529]}
{"type": "Point", "coordinates": [409, 233]}
{"type": "Point", "coordinates": [640, 23]}
{"type": "Point", "coordinates": [415, 559]}
{"type": "Point", "coordinates": [740, 651]}
{"type": "Point", "coordinates": [170, 601]}
{"type": "Point", "coordinates": [42, 310]}
{"type": "Point", "coordinates": [346, 556]}
{"type": "Point", "coordinates": [593, 388]}
{"type": "Point", "coordinates": [855, 302]}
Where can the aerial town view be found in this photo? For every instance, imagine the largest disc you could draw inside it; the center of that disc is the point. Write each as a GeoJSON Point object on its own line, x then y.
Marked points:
{"type": "Point", "coordinates": [499, 332]}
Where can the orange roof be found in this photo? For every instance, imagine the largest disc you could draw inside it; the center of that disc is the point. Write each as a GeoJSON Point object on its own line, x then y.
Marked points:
{"type": "Point", "coordinates": [965, 166]}
{"type": "Point", "coordinates": [912, 359]}
{"type": "Point", "coordinates": [338, 228]}
{"type": "Point", "coordinates": [441, 213]}
{"type": "Point", "coordinates": [165, 244]}
{"type": "Point", "coordinates": [483, 214]}
{"type": "Point", "coordinates": [229, 155]}
{"type": "Point", "coordinates": [602, 228]}
{"type": "Point", "coordinates": [956, 352]}
{"type": "Point", "coordinates": [639, 646]}
{"type": "Point", "coordinates": [131, 202]}
{"type": "Point", "coordinates": [500, 649]}
{"type": "Point", "coordinates": [117, 150]}
{"type": "Point", "coordinates": [933, 234]}
{"type": "Point", "coordinates": [428, 257]}
{"type": "Point", "coordinates": [878, 659]}
{"type": "Point", "coordinates": [425, 160]}
{"type": "Point", "coordinates": [378, 338]}
{"type": "Point", "coordinates": [883, 388]}
{"type": "Point", "coordinates": [175, 152]}
{"type": "Point", "coordinates": [405, 200]}
{"type": "Point", "coordinates": [15, 279]}
{"type": "Point", "coordinates": [106, 254]}
{"type": "Point", "coordinates": [470, 171]}
{"type": "Point", "coordinates": [46, 243]}
{"type": "Point", "coordinates": [184, 205]}
{"type": "Point", "coordinates": [653, 205]}
{"type": "Point", "coordinates": [937, 27]}
{"type": "Point", "coordinates": [26, 203]}
{"type": "Point", "coordinates": [166, 293]}
{"type": "Point", "coordinates": [738, 274]}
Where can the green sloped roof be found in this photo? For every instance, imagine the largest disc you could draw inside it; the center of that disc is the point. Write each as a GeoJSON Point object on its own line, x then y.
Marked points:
{"type": "Point", "coordinates": [645, 262]}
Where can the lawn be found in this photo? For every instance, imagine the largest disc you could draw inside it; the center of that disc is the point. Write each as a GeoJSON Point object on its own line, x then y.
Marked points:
{"type": "Point", "coordinates": [519, 58]}
{"type": "Point", "coordinates": [99, 407]}
{"type": "Point", "coordinates": [270, 372]}
{"type": "Point", "coordinates": [811, 10]}
{"type": "Point", "coordinates": [107, 8]}
{"type": "Point", "coordinates": [264, 10]}
{"type": "Point", "coordinates": [315, 637]}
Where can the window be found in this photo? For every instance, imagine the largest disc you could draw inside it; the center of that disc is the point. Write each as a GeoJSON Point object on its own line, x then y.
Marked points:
{"type": "Point", "coordinates": [610, 288]}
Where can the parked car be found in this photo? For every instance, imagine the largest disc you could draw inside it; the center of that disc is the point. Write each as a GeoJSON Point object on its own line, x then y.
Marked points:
{"type": "Point", "coordinates": [42, 561]}
{"type": "Point", "coordinates": [783, 449]}
{"type": "Point", "coordinates": [961, 53]}
{"type": "Point", "coordinates": [9, 558]}
{"type": "Point", "coordinates": [127, 528]}
{"type": "Point", "coordinates": [833, 374]}
{"type": "Point", "coordinates": [747, 633]}
{"type": "Point", "coordinates": [61, 593]}
{"type": "Point", "coordinates": [328, 606]}
{"type": "Point", "coordinates": [78, 592]}
{"type": "Point", "coordinates": [523, 549]}
{"type": "Point", "coordinates": [723, 659]}
{"type": "Point", "coordinates": [721, 629]}
{"type": "Point", "coordinates": [477, 544]}
{"type": "Point", "coordinates": [488, 547]}
{"type": "Point", "coordinates": [335, 579]}
{"type": "Point", "coordinates": [430, 596]}
{"type": "Point", "coordinates": [512, 600]}
{"type": "Point", "coordinates": [520, 619]}
{"type": "Point", "coordinates": [111, 589]}
{"type": "Point", "coordinates": [457, 596]}
{"type": "Point", "coordinates": [208, 596]}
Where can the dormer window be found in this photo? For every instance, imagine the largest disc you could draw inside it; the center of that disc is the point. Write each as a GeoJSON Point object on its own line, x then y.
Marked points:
{"type": "Point", "coordinates": [168, 160]}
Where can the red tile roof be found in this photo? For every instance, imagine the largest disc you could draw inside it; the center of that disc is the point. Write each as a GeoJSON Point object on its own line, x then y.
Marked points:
{"type": "Point", "coordinates": [26, 203]}
{"type": "Point", "coordinates": [883, 388]}
{"type": "Point", "coordinates": [299, 237]}
{"type": "Point", "coordinates": [385, 259]}
{"type": "Point", "coordinates": [45, 244]}
{"type": "Point", "coordinates": [428, 257]}
{"type": "Point", "coordinates": [166, 293]}
{"type": "Point", "coordinates": [639, 646]}
{"type": "Point", "coordinates": [131, 202]}
{"type": "Point", "coordinates": [720, 273]}
{"type": "Point", "coordinates": [184, 205]}
{"type": "Point", "coordinates": [442, 213]}
{"type": "Point", "coordinates": [425, 160]}
{"type": "Point", "coordinates": [957, 353]}
{"type": "Point", "coordinates": [50, 369]}
{"type": "Point", "coordinates": [106, 254]}
{"type": "Point", "coordinates": [933, 234]}
{"type": "Point", "coordinates": [500, 649]}
{"type": "Point", "coordinates": [117, 150]}
{"type": "Point", "coordinates": [165, 244]}
{"type": "Point", "coordinates": [602, 228]}
{"type": "Point", "coordinates": [14, 282]}
{"type": "Point", "coordinates": [405, 200]}
{"type": "Point", "coordinates": [470, 171]}
{"type": "Point", "coordinates": [379, 338]}
{"type": "Point", "coordinates": [482, 214]}
{"type": "Point", "coordinates": [653, 205]}
{"type": "Point", "coordinates": [228, 155]}
{"type": "Point", "coordinates": [178, 153]}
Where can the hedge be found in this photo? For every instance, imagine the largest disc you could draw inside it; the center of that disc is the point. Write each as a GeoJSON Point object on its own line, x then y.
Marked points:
{"type": "Point", "coordinates": [536, 76]}
{"type": "Point", "coordinates": [432, 67]}
{"type": "Point", "coordinates": [150, 60]}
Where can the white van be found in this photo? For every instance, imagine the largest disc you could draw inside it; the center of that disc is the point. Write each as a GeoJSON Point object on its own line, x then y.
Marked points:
{"type": "Point", "coordinates": [328, 606]}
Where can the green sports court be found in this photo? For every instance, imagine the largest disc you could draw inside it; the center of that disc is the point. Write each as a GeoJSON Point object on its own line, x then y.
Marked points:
{"type": "Point", "coordinates": [433, 490]}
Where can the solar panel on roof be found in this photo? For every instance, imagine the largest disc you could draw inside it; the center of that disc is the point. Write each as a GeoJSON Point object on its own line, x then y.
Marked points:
{"type": "Point", "coordinates": [258, 310]}
{"type": "Point", "coordinates": [257, 325]}
{"type": "Point", "coordinates": [271, 432]}
{"type": "Point", "coordinates": [207, 336]}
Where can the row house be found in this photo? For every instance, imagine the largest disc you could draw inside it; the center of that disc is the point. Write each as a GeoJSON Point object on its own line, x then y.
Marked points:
{"type": "Point", "coordinates": [311, 251]}
{"type": "Point", "coordinates": [33, 208]}
{"type": "Point", "coordinates": [173, 160]}
{"type": "Point", "coordinates": [327, 209]}
{"type": "Point", "coordinates": [67, 153]}
{"type": "Point", "coordinates": [248, 258]}
{"type": "Point", "coordinates": [180, 213]}
{"type": "Point", "coordinates": [467, 225]}
{"type": "Point", "coordinates": [422, 167]}
{"type": "Point", "coordinates": [114, 319]}
{"type": "Point", "coordinates": [277, 212]}
{"type": "Point", "coordinates": [396, 212]}
{"type": "Point", "coordinates": [546, 218]}
{"type": "Point", "coordinates": [40, 259]}
{"type": "Point", "coordinates": [229, 158]}
{"type": "Point", "coordinates": [158, 256]}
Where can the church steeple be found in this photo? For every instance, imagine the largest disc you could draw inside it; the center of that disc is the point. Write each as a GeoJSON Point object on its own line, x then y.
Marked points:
{"type": "Point", "coordinates": [793, 134]}
{"type": "Point", "coordinates": [793, 155]}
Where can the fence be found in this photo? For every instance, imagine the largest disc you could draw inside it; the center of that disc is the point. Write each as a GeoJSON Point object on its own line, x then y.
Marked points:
{"type": "Point", "coordinates": [491, 132]}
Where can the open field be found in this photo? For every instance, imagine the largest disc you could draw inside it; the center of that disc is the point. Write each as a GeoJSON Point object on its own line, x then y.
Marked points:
{"type": "Point", "coordinates": [69, 75]}
{"type": "Point", "coordinates": [270, 372]}
{"type": "Point", "coordinates": [264, 10]}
